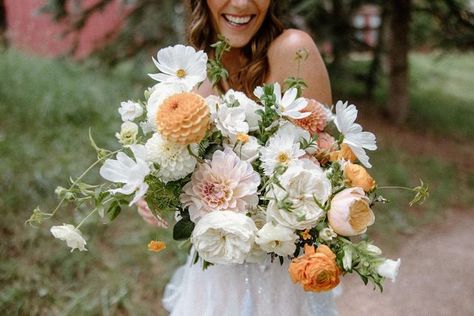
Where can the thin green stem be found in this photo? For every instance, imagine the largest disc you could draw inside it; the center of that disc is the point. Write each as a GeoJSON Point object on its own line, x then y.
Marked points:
{"type": "Point", "coordinates": [79, 179]}
{"type": "Point", "coordinates": [85, 218]}
{"type": "Point", "coordinates": [396, 188]}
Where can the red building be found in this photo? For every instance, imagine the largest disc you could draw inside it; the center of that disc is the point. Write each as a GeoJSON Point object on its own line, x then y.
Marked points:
{"type": "Point", "coordinates": [29, 30]}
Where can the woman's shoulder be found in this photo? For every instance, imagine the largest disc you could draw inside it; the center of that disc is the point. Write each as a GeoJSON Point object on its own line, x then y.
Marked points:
{"type": "Point", "coordinates": [283, 61]}
{"type": "Point", "coordinates": [289, 39]}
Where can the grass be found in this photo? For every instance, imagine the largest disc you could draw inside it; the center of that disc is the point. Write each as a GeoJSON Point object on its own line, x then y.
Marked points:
{"type": "Point", "coordinates": [47, 107]}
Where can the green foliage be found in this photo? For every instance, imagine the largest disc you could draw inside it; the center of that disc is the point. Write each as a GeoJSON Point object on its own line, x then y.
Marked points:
{"type": "Point", "coordinates": [161, 197]}
{"type": "Point", "coordinates": [183, 229]}
{"type": "Point", "coordinates": [216, 72]}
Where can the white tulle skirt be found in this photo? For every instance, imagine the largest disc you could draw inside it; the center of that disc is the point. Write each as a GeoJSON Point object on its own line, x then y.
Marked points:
{"type": "Point", "coordinates": [242, 290]}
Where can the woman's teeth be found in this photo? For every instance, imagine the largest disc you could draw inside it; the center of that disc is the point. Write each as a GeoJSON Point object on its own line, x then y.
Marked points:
{"type": "Point", "coordinates": [238, 20]}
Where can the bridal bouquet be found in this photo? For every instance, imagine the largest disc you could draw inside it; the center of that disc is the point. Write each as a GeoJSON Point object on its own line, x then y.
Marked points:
{"type": "Point", "coordinates": [272, 175]}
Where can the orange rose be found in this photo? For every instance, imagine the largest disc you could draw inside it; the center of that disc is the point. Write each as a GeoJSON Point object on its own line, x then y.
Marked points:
{"type": "Point", "coordinates": [344, 153]}
{"type": "Point", "coordinates": [316, 270]}
{"type": "Point", "coordinates": [357, 176]}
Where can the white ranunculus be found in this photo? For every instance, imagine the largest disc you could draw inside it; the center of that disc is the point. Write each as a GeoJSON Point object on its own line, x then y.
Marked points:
{"type": "Point", "coordinates": [161, 92]}
{"type": "Point", "coordinates": [248, 150]}
{"type": "Point", "coordinates": [128, 133]}
{"type": "Point", "coordinates": [181, 64]}
{"type": "Point", "coordinates": [71, 235]}
{"type": "Point", "coordinates": [130, 110]}
{"type": "Point", "coordinates": [354, 137]}
{"type": "Point", "coordinates": [248, 105]}
{"type": "Point", "coordinates": [389, 269]}
{"type": "Point", "coordinates": [231, 121]}
{"type": "Point", "coordinates": [277, 239]}
{"type": "Point", "coordinates": [224, 237]}
{"type": "Point", "coordinates": [303, 183]}
{"type": "Point", "coordinates": [125, 170]}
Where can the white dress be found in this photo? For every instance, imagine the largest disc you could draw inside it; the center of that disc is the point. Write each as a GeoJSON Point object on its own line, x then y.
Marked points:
{"type": "Point", "coordinates": [242, 290]}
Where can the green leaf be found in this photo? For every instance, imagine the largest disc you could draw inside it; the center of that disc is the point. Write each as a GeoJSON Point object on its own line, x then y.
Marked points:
{"type": "Point", "coordinates": [183, 229]}
{"type": "Point", "coordinates": [114, 210]}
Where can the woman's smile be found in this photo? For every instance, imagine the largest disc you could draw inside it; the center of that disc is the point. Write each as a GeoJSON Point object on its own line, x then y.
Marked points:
{"type": "Point", "coordinates": [239, 20]}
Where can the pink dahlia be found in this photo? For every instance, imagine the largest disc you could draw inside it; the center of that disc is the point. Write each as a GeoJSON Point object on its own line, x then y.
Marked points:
{"type": "Point", "coordinates": [315, 122]}
{"type": "Point", "coordinates": [225, 183]}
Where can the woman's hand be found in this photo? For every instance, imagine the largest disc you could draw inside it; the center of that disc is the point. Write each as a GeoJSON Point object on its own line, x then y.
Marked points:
{"type": "Point", "coordinates": [148, 216]}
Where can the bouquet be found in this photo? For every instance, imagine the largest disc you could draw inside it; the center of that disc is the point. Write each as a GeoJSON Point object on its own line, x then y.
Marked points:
{"type": "Point", "coordinates": [272, 176]}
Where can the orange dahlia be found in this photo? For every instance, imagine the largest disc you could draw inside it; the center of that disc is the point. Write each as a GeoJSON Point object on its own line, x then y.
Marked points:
{"type": "Point", "coordinates": [183, 118]}
{"type": "Point", "coordinates": [316, 121]}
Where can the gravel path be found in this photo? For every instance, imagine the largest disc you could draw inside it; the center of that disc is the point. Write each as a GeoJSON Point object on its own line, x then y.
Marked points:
{"type": "Point", "coordinates": [436, 275]}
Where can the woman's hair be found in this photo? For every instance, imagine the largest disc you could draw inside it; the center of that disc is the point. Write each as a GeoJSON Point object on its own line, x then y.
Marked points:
{"type": "Point", "coordinates": [201, 35]}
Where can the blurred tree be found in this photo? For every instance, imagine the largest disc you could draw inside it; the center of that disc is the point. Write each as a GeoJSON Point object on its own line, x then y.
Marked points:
{"type": "Point", "coordinates": [148, 24]}
{"type": "Point", "coordinates": [3, 24]}
{"type": "Point", "coordinates": [399, 47]}
{"type": "Point", "coordinates": [151, 24]}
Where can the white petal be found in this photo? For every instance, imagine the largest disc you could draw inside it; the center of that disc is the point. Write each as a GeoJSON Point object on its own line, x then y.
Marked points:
{"type": "Point", "coordinates": [142, 189]}
{"type": "Point", "coordinates": [289, 97]}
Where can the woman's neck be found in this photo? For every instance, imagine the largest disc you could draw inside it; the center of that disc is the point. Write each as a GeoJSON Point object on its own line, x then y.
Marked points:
{"type": "Point", "coordinates": [233, 60]}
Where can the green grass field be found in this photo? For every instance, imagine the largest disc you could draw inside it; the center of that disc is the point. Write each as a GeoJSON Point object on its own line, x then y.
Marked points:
{"type": "Point", "coordinates": [47, 107]}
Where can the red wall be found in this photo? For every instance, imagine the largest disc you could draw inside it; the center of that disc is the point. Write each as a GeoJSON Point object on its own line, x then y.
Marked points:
{"type": "Point", "coordinates": [36, 33]}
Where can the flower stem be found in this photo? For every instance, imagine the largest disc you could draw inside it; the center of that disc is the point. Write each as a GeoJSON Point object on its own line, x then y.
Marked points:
{"type": "Point", "coordinates": [85, 218]}
{"type": "Point", "coordinates": [79, 179]}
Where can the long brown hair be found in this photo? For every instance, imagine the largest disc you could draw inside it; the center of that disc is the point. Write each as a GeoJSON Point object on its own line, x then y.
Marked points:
{"type": "Point", "coordinates": [201, 35]}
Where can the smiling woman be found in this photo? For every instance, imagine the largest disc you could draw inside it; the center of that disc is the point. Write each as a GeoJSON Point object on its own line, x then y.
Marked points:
{"type": "Point", "coordinates": [262, 51]}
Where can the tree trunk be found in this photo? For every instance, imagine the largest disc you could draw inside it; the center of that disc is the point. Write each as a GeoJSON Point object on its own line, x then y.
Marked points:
{"type": "Point", "coordinates": [399, 46]}
{"type": "Point", "coordinates": [3, 24]}
{"type": "Point", "coordinates": [377, 52]}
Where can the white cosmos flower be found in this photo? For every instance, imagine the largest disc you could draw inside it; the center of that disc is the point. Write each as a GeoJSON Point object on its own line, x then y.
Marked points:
{"type": "Point", "coordinates": [276, 238]}
{"type": "Point", "coordinates": [283, 148]}
{"type": "Point", "coordinates": [181, 64]}
{"type": "Point", "coordinates": [161, 91]}
{"type": "Point", "coordinates": [231, 121]}
{"type": "Point", "coordinates": [354, 137]}
{"type": "Point", "coordinates": [130, 110]}
{"type": "Point", "coordinates": [125, 170]}
{"type": "Point", "coordinates": [174, 159]}
{"type": "Point", "coordinates": [289, 105]}
{"type": "Point", "coordinates": [304, 183]}
{"type": "Point", "coordinates": [224, 237]}
{"type": "Point", "coordinates": [250, 107]}
{"type": "Point", "coordinates": [71, 235]}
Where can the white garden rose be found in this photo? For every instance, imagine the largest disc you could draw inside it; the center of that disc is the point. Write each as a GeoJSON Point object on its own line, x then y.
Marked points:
{"type": "Point", "coordinates": [130, 110]}
{"type": "Point", "coordinates": [303, 183]}
{"type": "Point", "coordinates": [389, 269]}
{"type": "Point", "coordinates": [224, 237]}
{"type": "Point", "coordinates": [277, 239]}
{"type": "Point", "coordinates": [71, 235]}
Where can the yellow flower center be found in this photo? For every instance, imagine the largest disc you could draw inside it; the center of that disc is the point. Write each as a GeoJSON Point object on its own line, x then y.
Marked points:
{"type": "Point", "coordinates": [242, 137]}
{"type": "Point", "coordinates": [283, 158]}
{"type": "Point", "coordinates": [181, 73]}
